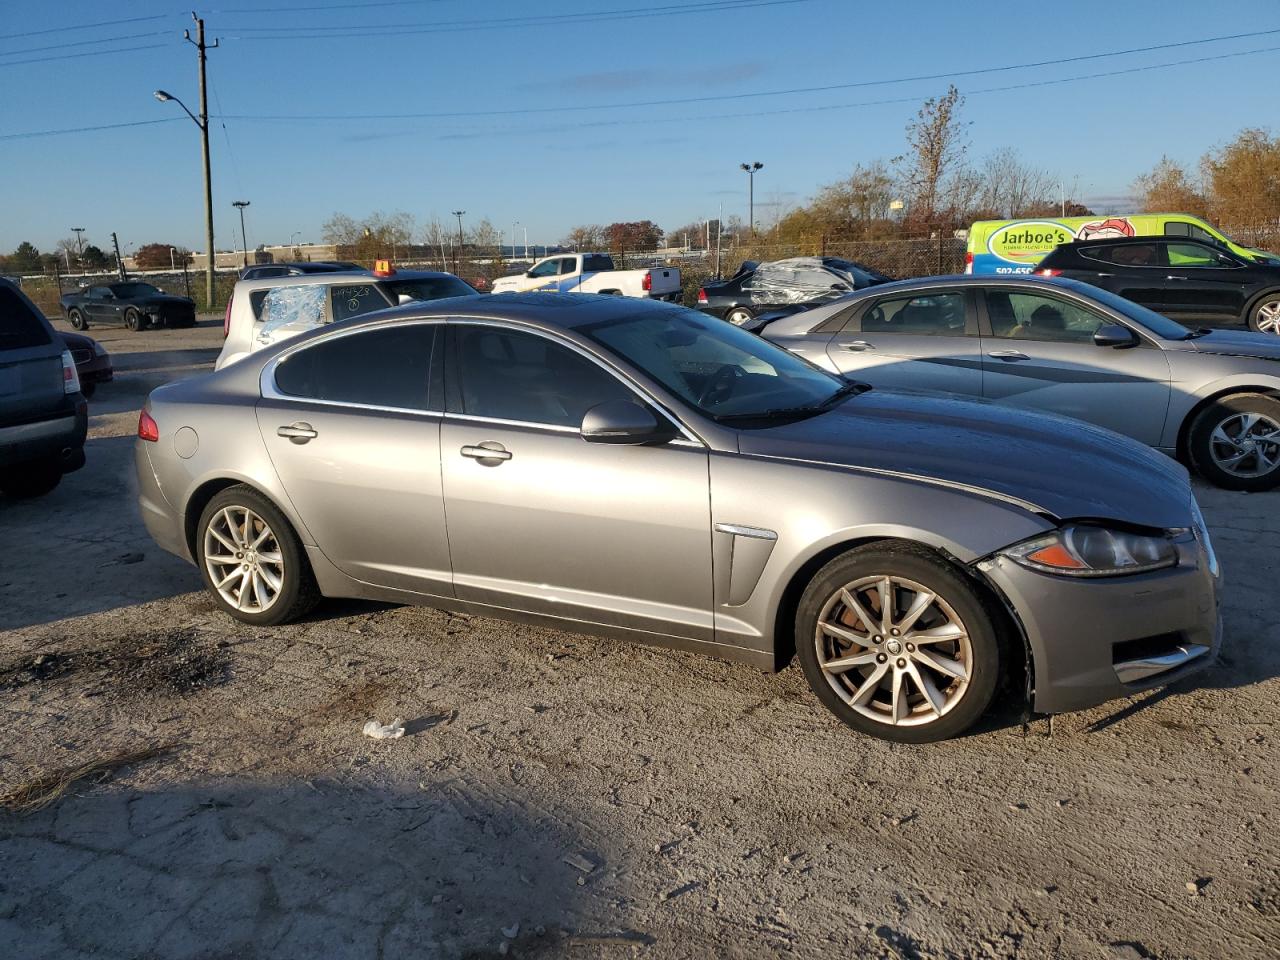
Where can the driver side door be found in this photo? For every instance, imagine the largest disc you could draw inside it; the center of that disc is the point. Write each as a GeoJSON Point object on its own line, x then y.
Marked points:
{"type": "Point", "coordinates": [540, 520]}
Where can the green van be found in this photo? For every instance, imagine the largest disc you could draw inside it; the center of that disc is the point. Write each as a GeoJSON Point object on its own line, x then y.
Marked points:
{"type": "Point", "coordinates": [1016, 246]}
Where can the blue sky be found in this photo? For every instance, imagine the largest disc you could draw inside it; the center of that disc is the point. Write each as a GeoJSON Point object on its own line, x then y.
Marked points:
{"type": "Point", "coordinates": [670, 163]}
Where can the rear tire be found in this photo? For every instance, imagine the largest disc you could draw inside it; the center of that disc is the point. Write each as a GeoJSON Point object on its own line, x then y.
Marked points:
{"type": "Point", "coordinates": [1234, 442]}
{"type": "Point", "coordinates": [133, 319]}
{"type": "Point", "coordinates": [1265, 315]}
{"type": "Point", "coordinates": [77, 320]}
{"type": "Point", "coordinates": [927, 671]}
{"type": "Point", "coordinates": [31, 480]}
{"type": "Point", "coordinates": [739, 316]}
{"type": "Point", "coordinates": [239, 516]}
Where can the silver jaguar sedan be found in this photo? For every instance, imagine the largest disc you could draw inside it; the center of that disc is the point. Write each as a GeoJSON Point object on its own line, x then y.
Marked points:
{"type": "Point", "coordinates": [642, 471]}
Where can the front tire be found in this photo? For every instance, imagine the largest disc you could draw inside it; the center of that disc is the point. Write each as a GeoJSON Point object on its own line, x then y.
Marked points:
{"type": "Point", "coordinates": [1234, 442]}
{"type": "Point", "coordinates": [1265, 315]}
{"type": "Point", "coordinates": [739, 316]}
{"type": "Point", "coordinates": [251, 561]}
{"type": "Point", "coordinates": [77, 320]}
{"type": "Point", "coordinates": [133, 319]}
{"type": "Point", "coordinates": [897, 644]}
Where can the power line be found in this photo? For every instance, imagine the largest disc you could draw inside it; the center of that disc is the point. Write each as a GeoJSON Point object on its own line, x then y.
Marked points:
{"type": "Point", "coordinates": [77, 56]}
{"type": "Point", "coordinates": [85, 43]}
{"type": "Point", "coordinates": [458, 26]}
{"type": "Point", "coordinates": [328, 6]}
{"type": "Point", "coordinates": [102, 126]}
{"type": "Point", "coordinates": [85, 26]}
{"type": "Point", "coordinates": [577, 108]}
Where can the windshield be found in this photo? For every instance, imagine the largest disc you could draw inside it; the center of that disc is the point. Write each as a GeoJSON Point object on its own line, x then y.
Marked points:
{"type": "Point", "coordinates": [131, 291]}
{"type": "Point", "coordinates": [718, 368]}
{"type": "Point", "coordinates": [428, 288]}
{"type": "Point", "coordinates": [1161, 326]}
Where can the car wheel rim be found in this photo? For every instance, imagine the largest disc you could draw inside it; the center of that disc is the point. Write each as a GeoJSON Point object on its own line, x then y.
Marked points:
{"type": "Point", "coordinates": [894, 651]}
{"type": "Point", "coordinates": [1246, 445]}
{"type": "Point", "coordinates": [1269, 318]}
{"type": "Point", "coordinates": [244, 559]}
{"type": "Point", "coordinates": [739, 317]}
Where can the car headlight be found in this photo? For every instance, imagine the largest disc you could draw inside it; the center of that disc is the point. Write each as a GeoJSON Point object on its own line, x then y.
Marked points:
{"type": "Point", "coordinates": [1086, 550]}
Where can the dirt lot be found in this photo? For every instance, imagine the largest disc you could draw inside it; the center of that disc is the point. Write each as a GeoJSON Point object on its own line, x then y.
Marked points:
{"type": "Point", "coordinates": [563, 796]}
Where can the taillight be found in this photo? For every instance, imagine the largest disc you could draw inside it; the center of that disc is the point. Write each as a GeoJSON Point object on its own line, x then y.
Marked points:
{"type": "Point", "coordinates": [70, 378]}
{"type": "Point", "coordinates": [148, 429]}
{"type": "Point", "coordinates": [702, 296]}
{"type": "Point", "coordinates": [1049, 272]}
{"type": "Point", "coordinates": [226, 321]}
{"type": "Point", "coordinates": [968, 262]}
{"type": "Point", "coordinates": [646, 283]}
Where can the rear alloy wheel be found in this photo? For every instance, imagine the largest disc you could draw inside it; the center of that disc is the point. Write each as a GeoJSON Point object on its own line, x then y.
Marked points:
{"type": "Point", "coordinates": [1235, 442]}
{"type": "Point", "coordinates": [251, 560]}
{"type": "Point", "coordinates": [77, 320]}
{"type": "Point", "coordinates": [739, 316]}
{"type": "Point", "coordinates": [897, 644]}
{"type": "Point", "coordinates": [1265, 317]}
{"type": "Point", "coordinates": [133, 319]}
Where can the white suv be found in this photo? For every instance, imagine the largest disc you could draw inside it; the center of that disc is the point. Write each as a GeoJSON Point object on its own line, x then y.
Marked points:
{"type": "Point", "coordinates": [265, 311]}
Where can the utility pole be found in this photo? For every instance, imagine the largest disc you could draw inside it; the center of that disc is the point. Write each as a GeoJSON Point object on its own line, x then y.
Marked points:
{"type": "Point", "coordinates": [115, 243]}
{"type": "Point", "coordinates": [458, 214]}
{"type": "Point", "coordinates": [244, 241]}
{"type": "Point", "coordinates": [203, 124]}
{"type": "Point", "coordinates": [79, 232]}
{"type": "Point", "coordinates": [751, 169]}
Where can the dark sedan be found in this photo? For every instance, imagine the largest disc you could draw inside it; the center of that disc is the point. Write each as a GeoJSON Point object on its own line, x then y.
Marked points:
{"type": "Point", "coordinates": [135, 304]}
{"type": "Point", "coordinates": [1189, 280]}
{"type": "Point", "coordinates": [783, 285]}
{"type": "Point", "coordinates": [93, 363]}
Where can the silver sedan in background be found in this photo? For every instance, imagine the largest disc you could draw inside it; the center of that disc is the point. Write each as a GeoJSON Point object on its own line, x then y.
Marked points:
{"type": "Point", "coordinates": [642, 471]}
{"type": "Point", "coordinates": [1208, 397]}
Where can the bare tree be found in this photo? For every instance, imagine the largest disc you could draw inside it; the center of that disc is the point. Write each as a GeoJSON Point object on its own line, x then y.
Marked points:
{"type": "Point", "coordinates": [936, 150]}
{"type": "Point", "coordinates": [1007, 187]}
{"type": "Point", "coordinates": [587, 236]}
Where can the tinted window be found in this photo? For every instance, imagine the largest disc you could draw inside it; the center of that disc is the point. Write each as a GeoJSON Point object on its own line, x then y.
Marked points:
{"type": "Point", "coordinates": [547, 268]}
{"type": "Point", "coordinates": [568, 265]}
{"type": "Point", "coordinates": [133, 291]}
{"type": "Point", "coordinates": [19, 324]}
{"type": "Point", "coordinates": [353, 299]}
{"type": "Point", "coordinates": [1125, 254]}
{"type": "Point", "coordinates": [258, 273]}
{"type": "Point", "coordinates": [511, 375]}
{"type": "Point", "coordinates": [383, 368]}
{"type": "Point", "coordinates": [1029, 316]}
{"type": "Point", "coordinates": [596, 263]}
{"type": "Point", "coordinates": [428, 288]}
{"type": "Point", "coordinates": [97, 292]}
{"type": "Point", "coordinates": [932, 315]}
{"type": "Point", "coordinates": [1177, 228]}
{"type": "Point", "coordinates": [1194, 255]}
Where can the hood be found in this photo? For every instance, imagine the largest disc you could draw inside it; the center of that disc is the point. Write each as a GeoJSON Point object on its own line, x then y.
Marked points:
{"type": "Point", "coordinates": [1238, 343]}
{"type": "Point", "coordinates": [162, 298]}
{"type": "Point", "coordinates": [1066, 468]}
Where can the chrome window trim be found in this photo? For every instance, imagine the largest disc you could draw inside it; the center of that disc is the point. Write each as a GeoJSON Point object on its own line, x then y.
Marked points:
{"type": "Point", "coordinates": [612, 371]}
{"type": "Point", "coordinates": [267, 379]}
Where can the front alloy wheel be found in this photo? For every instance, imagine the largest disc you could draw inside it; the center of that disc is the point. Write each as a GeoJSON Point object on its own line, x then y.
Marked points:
{"type": "Point", "coordinates": [1266, 316]}
{"type": "Point", "coordinates": [898, 644]}
{"type": "Point", "coordinates": [1235, 442]}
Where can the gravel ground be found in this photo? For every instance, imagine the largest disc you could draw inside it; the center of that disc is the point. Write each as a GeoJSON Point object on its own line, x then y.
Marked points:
{"type": "Point", "coordinates": [556, 795]}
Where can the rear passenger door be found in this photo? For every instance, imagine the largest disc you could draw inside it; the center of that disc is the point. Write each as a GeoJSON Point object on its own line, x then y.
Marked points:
{"type": "Point", "coordinates": [916, 341]}
{"type": "Point", "coordinates": [1204, 283]}
{"type": "Point", "coordinates": [1040, 355]}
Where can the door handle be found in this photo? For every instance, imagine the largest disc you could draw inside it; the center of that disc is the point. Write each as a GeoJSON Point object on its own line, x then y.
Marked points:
{"type": "Point", "coordinates": [1171, 277]}
{"type": "Point", "coordinates": [490, 453]}
{"type": "Point", "coordinates": [1009, 356]}
{"type": "Point", "coordinates": [858, 345]}
{"type": "Point", "coordinates": [297, 432]}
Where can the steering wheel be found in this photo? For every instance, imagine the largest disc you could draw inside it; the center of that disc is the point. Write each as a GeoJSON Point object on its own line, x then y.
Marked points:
{"type": "Point", "coordinates": [720, 385]}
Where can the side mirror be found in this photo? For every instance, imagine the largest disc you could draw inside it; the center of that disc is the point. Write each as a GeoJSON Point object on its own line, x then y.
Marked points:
{"type": "Point", "coordinates": [622, 421]}
{"type": "Point", "coordinates": [529, 274]}
{"type": "Point", "coordinates": [1114, 335]}
{"type": "Point", "coordinates": [840, 286]}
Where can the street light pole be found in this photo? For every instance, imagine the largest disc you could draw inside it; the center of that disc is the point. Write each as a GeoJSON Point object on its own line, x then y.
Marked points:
{"type": "Point", "coordinates": [79, 232]}
{"type": "Point", "coordinates": [458, 214]}
{"type": "Point", "coordinates": [751, 169]}
{"type": "Point", "coordinates": [514, 224]}
{"type": "Point", "coordinates": [203, 123]}
{"type": "Point", "coordinates": [244, 241]}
